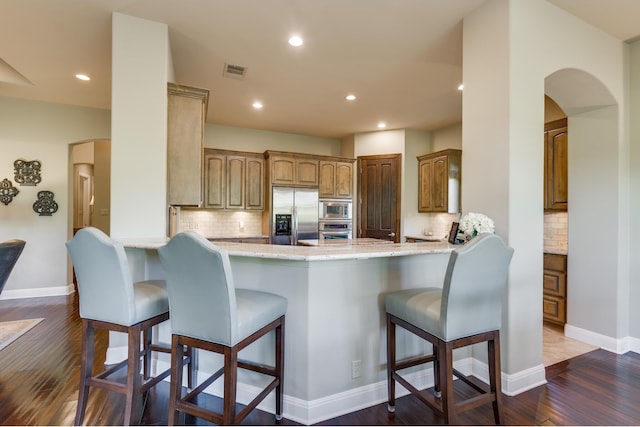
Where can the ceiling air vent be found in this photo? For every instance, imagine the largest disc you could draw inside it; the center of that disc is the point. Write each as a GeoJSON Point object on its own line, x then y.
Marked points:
{"type": "Point", "coordinates": [234, 71]}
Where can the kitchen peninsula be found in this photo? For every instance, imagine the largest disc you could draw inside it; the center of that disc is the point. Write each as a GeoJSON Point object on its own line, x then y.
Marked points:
{"type": "Point", "coordinates": [335, 357]}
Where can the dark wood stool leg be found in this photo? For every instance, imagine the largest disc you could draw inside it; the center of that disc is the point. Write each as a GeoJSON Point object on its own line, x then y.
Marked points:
{"type": "Point", "coordinates": [175, 391]}
{"type": "Point", "coordinates": [391, 364]}
{"type": "Point", "coordinates": [133, 374]}
{"type": "Point", "coordinates": [279, 369]}
{"type": "Point", "coordinates": [86, 367]}
{"type": "Point", "coordinates": [190, 353]}
{"type": "Point", "coordinates": [436, 376]}
{"type": "Point", "coordinates": [445, 363]}
{"type": "Point", "coordinates": [147, 335]}
{"type": "Point", "coordinates": [230, 380]}
{"type": "Point", "coordinates": [495, 373]}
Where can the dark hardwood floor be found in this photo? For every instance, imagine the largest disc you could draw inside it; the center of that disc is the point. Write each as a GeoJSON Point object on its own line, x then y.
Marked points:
{"type": "Point", "coordinates": [39, 381]}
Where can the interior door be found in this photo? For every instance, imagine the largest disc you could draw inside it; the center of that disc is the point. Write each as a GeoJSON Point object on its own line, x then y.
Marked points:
{"type": "Point", "coordinates": [379, 197]}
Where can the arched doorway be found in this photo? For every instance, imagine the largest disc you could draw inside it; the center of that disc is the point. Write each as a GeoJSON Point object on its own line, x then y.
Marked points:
{"type": "Point", "coordinates": [595, 196]}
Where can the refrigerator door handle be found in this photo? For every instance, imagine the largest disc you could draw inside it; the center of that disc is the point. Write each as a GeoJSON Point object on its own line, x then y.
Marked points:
{"type": "Point", "coordinates": [294, 228]}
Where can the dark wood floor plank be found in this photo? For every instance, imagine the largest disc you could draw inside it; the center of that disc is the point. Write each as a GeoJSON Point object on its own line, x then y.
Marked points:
{"type": "Point", "coordinates": [39, 376]}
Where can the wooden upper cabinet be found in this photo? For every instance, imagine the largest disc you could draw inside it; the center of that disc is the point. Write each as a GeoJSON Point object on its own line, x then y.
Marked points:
{"type": "Point", "coordinates": [254, 183]}
{"type": "Point", "coordinates": [215, 180]}
{"type": "Point", "coordinates": [335, 179]}
{"type": "Point", "coordinates": [186, 115]}
{"type": "Point", "coordinates": [556, 154]}
{"type": "Point", "coordinates": [307, 172]}
{"type": "Point", "coordinates": [293, 170]}
{"type": "Point", "coordinates": [233, 180]}
{"type": "Point", "coordinates": [439, 181]}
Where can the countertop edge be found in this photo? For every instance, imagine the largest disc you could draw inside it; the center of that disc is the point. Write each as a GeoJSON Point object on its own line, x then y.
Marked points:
{"type": "Point", "coordinates": [307, 253]}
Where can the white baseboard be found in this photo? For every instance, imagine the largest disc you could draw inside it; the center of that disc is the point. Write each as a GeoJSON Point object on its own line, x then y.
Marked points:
{"type": "Point", "coordinates": [614, 345]}
{"type": "Point", "coordinates": [318, 410]}
{"type": "Point", "coordinates": [54, 291]}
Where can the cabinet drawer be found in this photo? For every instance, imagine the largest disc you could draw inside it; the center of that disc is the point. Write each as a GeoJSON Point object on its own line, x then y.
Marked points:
{"type": "Point", "coordinates": [555, 283]}
{"type": "Point", "coordinates": [555, 262]}
{"type": "Point", "coordinates": [553, 309]}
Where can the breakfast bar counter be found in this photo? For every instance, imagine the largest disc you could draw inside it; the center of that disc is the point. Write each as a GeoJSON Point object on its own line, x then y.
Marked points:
{"type": "Point", "coordinates": [335, 357]}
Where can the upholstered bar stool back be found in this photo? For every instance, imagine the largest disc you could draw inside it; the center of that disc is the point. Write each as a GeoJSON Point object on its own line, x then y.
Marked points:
{"type": "Point", "coordinates": [10, 251]}
{"type": "Point", "coordinates": [466, 310]}
{"type": "Point", "coordinates": [209, 313]}
{"type": "Point", "coordinates": [109, 299]}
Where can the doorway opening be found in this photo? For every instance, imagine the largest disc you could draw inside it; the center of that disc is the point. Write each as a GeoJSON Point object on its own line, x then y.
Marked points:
{"type": "Point", "coordinates": [91, 185]}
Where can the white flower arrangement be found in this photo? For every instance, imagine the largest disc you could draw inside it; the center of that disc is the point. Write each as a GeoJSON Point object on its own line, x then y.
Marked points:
{"type": "Point", "coordinates": [473, 224]}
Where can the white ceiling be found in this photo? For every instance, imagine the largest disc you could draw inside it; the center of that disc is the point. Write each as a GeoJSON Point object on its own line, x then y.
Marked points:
{"type": "Point", "coordinates": [402, 58]}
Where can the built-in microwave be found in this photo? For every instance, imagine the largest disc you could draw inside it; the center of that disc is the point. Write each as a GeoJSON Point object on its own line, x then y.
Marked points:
{"type": "Point", "coordinates": [334, 209]}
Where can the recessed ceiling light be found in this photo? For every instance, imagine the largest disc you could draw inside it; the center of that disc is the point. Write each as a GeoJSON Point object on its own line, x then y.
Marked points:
{"type": "Point", "coordinates": [257, 105]}
{"type": "Point", "coordinates": [296, 41]}
{"type": "Point", "coordinates": [382, 125]}
{"type": "Point", "coordinates": [83, 77]}
{"type": "Point", "coordinates": [350, 97]}
{"type": "Point", "coordinates": [461, 86]}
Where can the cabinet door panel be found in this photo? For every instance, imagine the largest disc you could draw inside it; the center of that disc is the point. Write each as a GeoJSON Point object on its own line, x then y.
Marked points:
{"type": "Point", "coordinates": [235, 182]}
{"type": "Point", "coordinates": [553, 309]}
{"type": "Point", "coordinates": [283, 170]}
{"type": "Point", "coordinates": [326, 180]}
{"type": "Point", "coordinates": [186, 112]}
{"type": "Point", "coordinates": [439, 188]}
{"type": "Point", "coordinates": [556, 169]}
{"type": "Point", "coordinates": [215, 181]}
{"type": "Point", "coordinates": [424, 188]}
{"type": "Point", "coordinates": [306, 172]}
{"type": "Point", "coordinates": [344, 180]}
{"type": "Point", "coordinates": [254, 184]}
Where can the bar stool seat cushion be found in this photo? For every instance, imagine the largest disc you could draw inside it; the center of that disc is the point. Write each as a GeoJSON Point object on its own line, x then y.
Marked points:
{"type": "Point", "coordinates": [150, 297]}
{"type": "Point", "coordinates": [257, 309]}
{"type": "Point", "coordinates": [420, 307]}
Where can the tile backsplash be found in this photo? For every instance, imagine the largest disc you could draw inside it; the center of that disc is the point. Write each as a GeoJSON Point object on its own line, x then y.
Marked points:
{"type": "Point", "coordinates": [440, 224]}
{"type": "Point", "coordinates": [556, 231]}
{"type": "Point", "coordinates": [212, 223]}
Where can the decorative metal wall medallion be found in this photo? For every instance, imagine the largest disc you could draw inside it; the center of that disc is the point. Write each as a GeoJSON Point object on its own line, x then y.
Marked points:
{"type": "Point", "coordinates": [7, 191]}
{"type": "Point", "coordinates": [27, 173]}
{"type": "Point", "coordinates": [45, 205]}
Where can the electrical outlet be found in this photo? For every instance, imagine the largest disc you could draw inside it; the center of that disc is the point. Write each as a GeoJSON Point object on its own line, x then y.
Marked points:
{"type": "Point", "coordinates": [356, 368]}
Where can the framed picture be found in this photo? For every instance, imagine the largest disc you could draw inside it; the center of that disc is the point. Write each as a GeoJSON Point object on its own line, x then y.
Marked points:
{"type": "Point", "coordinates": [453, 233]}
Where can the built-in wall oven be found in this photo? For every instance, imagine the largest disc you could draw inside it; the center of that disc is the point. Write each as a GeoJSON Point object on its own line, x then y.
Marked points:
{"type": "Point", "coordinates": [334, 219]}
{"type": "Point", "coordinates": [334, 229]}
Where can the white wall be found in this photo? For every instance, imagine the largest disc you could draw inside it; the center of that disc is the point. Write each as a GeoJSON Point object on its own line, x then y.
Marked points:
{"type": "Point", "coordinates": [140, 61]}
{"type": "Point", "coordinates": [510, 47]}
{"type": "Point", "coordinates": [633, 73]}
{"type": "Point", "coordinates": [447, 137]}
{"type": "Point", "coordinates": [258, 141]}
{"type": "Point", "coordinates": [34, 130]}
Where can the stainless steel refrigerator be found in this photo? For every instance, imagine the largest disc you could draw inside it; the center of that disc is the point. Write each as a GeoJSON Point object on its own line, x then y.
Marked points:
{"type": "Point", "coordinates": [294, 215]}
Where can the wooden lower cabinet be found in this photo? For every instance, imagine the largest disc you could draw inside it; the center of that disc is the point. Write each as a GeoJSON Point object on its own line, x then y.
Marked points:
{"type": "Point", "coordinates": [256, 240]}
{"type": "Point", "coordinates": [554, 300]}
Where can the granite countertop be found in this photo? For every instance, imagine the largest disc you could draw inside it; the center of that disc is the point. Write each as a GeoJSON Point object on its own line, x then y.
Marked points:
{"type": "Point", "coordinates": [425, 238]}
{"type": "Point", "coordinates": [343, 242]}
{"type": "Point", "coordinates": [555, 251]}
{"type": "Point", "coordinates": [261, 236]}
{"type": "Point", "coordinates": [309, 253]}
